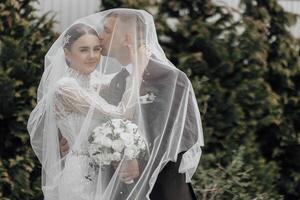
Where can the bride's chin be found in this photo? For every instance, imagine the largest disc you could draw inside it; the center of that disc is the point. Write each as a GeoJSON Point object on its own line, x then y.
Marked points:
{"type": "Point", "coordinates": [89, 72]}
{"type": "Point", "coordinates": [90, 69]}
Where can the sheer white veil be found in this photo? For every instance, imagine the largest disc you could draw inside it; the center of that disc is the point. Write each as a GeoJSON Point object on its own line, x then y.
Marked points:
{"type": "Point", "coordinates": [158, 98]}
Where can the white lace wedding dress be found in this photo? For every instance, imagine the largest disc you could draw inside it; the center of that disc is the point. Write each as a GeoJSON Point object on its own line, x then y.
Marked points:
{"type": "Point", "coordinates": [73, 98]}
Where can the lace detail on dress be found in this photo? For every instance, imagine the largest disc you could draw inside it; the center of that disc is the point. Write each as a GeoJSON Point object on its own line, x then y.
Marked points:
{"type": "Point", "coordinates": [73, 98]}
{"type": "Point", "coordinates": [82, 79]}
{"type": "Point", "coordinates": [74, 183]}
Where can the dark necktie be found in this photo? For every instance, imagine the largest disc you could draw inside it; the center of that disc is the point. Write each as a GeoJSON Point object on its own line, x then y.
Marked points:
{"type": "Point", "coordinates": [117, 87]}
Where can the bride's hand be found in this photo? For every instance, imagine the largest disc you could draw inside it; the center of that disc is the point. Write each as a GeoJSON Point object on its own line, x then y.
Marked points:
{"type": "Point", "coordinates": [129, 170]}
{"type": "Point", "coordinates": [99, 88]}
{"type": "Point", "coordinates": [63, 146]}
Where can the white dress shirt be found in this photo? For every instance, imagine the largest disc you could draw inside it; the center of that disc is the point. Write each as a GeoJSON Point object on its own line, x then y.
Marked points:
{"type": "Point", "coordinates": [128, 67]}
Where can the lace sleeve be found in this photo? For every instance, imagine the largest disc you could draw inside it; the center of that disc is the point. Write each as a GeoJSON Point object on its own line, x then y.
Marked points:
{"type": "Point", "coordinates": [74, 98]}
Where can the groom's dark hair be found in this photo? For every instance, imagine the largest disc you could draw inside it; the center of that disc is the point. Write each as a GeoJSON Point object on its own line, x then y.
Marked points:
{"type": "Point", "coordinates": [128, 17]}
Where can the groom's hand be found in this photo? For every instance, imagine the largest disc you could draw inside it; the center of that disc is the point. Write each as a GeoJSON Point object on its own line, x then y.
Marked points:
{"type": "Point", "coordinates": [143, 58]}
{"type": "Point", "coordinates": [129, 170]}
{"type": "Point", "coordinates": [63, 146]}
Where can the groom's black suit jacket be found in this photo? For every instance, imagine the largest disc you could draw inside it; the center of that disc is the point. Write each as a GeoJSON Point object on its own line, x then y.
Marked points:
{"type": "Point", "coordinates": [158, 79]}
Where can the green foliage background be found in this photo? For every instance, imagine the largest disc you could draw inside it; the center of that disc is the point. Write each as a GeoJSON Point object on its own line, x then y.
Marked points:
{"type": "Point", "coordinates": [245, 73]}
{"type": "Point", "coordinates": [24, 41]}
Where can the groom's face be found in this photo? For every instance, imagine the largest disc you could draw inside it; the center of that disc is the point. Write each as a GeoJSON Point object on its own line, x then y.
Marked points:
{"type": "Point", "coordinates": [110, 37]}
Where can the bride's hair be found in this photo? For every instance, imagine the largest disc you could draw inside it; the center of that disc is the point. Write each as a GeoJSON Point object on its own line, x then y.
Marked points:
{"type": "Point", "coordinates": [75, 32]}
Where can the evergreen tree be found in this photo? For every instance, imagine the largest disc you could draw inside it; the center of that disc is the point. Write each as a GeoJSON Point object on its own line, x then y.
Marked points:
{"type": "Point", "coordinates": [24, 39]}
{"type": "Point", "coordinates": [279, 138]}
{"type": "Point", "coordinates": [245, 73]}
{"type": "Point", "coordinates": [231, 55]}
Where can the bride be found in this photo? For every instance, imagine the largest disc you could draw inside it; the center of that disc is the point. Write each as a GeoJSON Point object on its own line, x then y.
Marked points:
{"type": "Point", "coordinates": [73, 96]}
{"type": "Point", "coordinates": [110, 92]}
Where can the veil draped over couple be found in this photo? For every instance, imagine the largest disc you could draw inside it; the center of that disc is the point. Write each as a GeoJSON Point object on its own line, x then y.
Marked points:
{"type": "Point", "coordinates": [114, 119]}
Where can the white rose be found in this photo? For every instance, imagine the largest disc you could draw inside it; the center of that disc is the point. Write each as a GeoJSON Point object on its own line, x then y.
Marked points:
{"type": "Point", "coordinates": [116, 156]}
{"type": "Point", "coordinates": [106, 130]}
{"type": "Point", "coordinates": [118, 145]}
{"type": "Point", "coordinates": [99, 138]}
{"type": "Point", "coordinates": [127, 138]}
{"type": "Point", "coordinates": [130, 153]}
{"type": "Point", "coordinates": [118, 131]}
{"type": "Point", "coordinates": [103, 159]}
{"type": "Point", "coordinates": [106, 142]}
{"type": "Point", "coordinates": [131, 128]}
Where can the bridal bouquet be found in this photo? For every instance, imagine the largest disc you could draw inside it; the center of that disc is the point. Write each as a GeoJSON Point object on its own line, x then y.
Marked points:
{"type": "Point", "coordinates": [114, 140]}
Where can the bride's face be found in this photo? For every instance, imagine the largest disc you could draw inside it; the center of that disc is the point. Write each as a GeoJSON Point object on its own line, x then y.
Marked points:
{"type": "Point", "coordinates": [84, 54]}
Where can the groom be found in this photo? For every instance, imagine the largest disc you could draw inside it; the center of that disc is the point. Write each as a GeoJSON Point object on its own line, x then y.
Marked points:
{"type": "Point", "coordinates": [170, 184]}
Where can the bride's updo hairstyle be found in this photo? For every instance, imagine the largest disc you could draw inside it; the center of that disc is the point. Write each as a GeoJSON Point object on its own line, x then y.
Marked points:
{"type": "Point", "coordinates": [75, 32]}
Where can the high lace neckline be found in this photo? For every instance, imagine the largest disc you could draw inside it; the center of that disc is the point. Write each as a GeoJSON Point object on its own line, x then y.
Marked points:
{"type": "Point", "coordinates": [83, 79]}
